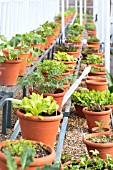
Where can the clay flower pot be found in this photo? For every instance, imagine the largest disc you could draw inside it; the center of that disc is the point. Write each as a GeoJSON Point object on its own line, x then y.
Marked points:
{"type": "Point", "coordinates": [91, 117]}
{"type": "Point", "coordinates": [103, 148]}
{"type": "Point", "coordinates": [91, 33]}
{"type": "Point", "coordinates": [33, 128]}
{"type": "Point", "coordinates": [96, 78]}
{"type": "Point", "coordinates": [96, 85]}
{"type": "Point", "coordinates": [94, 43]}
{"type": "Point", "coordinates": [93, 46]}
{"type": "Point", "coordinates": [79, 111]}
{"type": "Point", "coordinates": [23, 57]}
{"type": "Point", "coordinates": [73, 63]}
{"type": "Point", "coordinates": [75, 54]}
{"type": "Point", "coordinates": [37, 162]}
{"type": "Point", "coordinates": [9, 71]}
{"type": "Point", "coordinates": [101, 73]}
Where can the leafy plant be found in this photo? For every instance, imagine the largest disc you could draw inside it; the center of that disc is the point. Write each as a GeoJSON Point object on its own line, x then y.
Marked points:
{"type": "Point", "coordinates": [110, 81]}
{"type": "Point", "coordinates": [66, 48]}
{"type": "Point", "coordinates": [75, 28]}
{"type": "Point", "coordinates": [93, 163]}
{"type": "Point", "coordinates": [97, 69]}
{"type": "Point", "coordinates": [62, 56]}
{"type": "Point", "coordinates": [52, 67]}
{"type": "Point", "coordinates": [101, 139]}
{"type": "Point", "coordinates": [73, 38]}
{"type": "Point", "coordinates": [89, 26]}
{"type": "Point", "coordinates": [27, 150]}
{"type": "Point", "coordinates": [89, 50]}
{"type": "Point", "coordinates": [93, 39]}
{"type": "Point", "coordinates": [37, 105]}
{"type": "Point", "coordinates": [16, 148]}
{"type": "Point", "coordinates": [91, 98]}
{"type": "Point", "coordinates": [100, 125]}
{"type": "Point", "coordinates": [57, 17]}
{"type": "Point", "coordinates": [49, 83]}
{"type": "Point", "coordinates": [92, 59]}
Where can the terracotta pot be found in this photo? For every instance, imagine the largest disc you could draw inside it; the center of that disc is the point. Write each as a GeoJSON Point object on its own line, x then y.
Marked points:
{"type": "Point", "coordinates": [97, 78]}
{"type": "Point", "coordinates": [9, 71]}
{"type": "Point", "coordinates": [37, 162]}
{"type": "Point", "coordinates": [58, 96]}
{"type": "Point", "coordinates": [93, 46]}
{"type": "Point", "coordinates": [94, 43]}
{"type": "Point", "coordinates": [23, 57]}
{"type": "Point", "coordinates": [40, 46]}
{"type": "Point", "coordinates": [103, 148]}
{"type": "Point", "coordinates": [91, 117]}
{"type": "Point", "coordinates": [96, 65]}
{"type": "Point", "coordinates": [40, 130]}
{"type": "Point", "coordinates": [79, 111]}
{"type": "Point", "coordinates": [73, 63]}
{"type": "Point", "coordinates": [66, 86]}
{"type": "Point", "coordinates": [75, 42]}
{"type": "Point", "coordinates": [104, 130]}
{"type": "Point", "coordinates": [111, 106]}
{"type": "Point", "coordinates": [96, 85]}
{"type": "Point", "coordinates": [75, 54]}
{"type": "Point", "coordinates": [71, 70]}
{"type": "Point", "coordinates": [101, 73]}
{"type": "Point", "coordinates": [91, 33]}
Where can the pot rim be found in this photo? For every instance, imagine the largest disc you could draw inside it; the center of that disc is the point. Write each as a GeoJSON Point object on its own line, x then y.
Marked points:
{"type": "Point", "coordinates": [85, 110]}
{"type": "Point", "coordinates": [98, 145]}
{"type": "Point", "coordinates": [49, 148]}
{"type": "Point", "coordinates": [37, 119]}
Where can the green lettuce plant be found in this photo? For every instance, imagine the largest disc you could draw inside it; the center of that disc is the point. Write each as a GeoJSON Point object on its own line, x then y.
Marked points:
{"type": "Point", "coordinates": [93, 39]}
{"type": "Point", "coordinates": [93, 59]}
{"type": "Point", "coordinates": [37, 105]}
{"type": "Point", "coordinates": [62, 56]}
{"type": "Point", "coordinates": [91, 27]}
{"type": "Point", "coordinates": [91, 98]}
{"type": "Point", "coordinates": [73, 38]}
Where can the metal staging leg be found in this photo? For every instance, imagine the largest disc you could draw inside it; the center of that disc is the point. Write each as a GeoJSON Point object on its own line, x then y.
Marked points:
{"type": "Point", "coordinates": [4, 118]}
{"type": "Point", "coordinates": [9, 115]}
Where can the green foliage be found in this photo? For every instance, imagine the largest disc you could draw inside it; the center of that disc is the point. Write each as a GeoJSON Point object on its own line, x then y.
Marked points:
{"type": "Point", "coordinates": [37, 105]}
{"type": "Point", "coordinates": [25, 39]}
{"type": "Point", "coordinates": [89, 50]}
{"type": "Point", "coordinates": [92, 98]}
{"type": "Point", "coordinates": [94, 163]}
{"type": "Point", "coordinates": [62, 56]}
{"type": "Point", "coordinates": [2, 57]}
{"type": "Point", "coordinates": [45, 84]}
{"type": "Point", "coordinates": [90, 26]}
{"type": "Point", "coordinates": [100, 125]}
{"type": "Point", "coordinates": [11, 163]}
{"type": "Point", "coordinates": [58, 17]}
{"type": "Point", "coordinates": [65, 48]}
{"type": "Point", "coordinates": [93, 39]}
{"type": "Point", "coordinates": [110, 81]}
{"type": "Point", "coordinates": [52, 67]}
{"type": "Point", "coordinates": [75, 28]}
{"type": "Point", "coordinates": [101, 139]}
{"type": "Point", "coordinates": [97, 69]}
{"type": "Point", "coordinates": [92, 59]}
{"type": "Point", "coordinates": [73, 38]}
{"type": "Point", "coordinates": [16, 148]}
